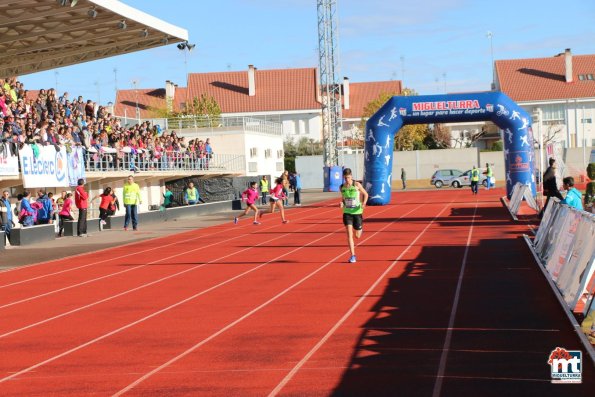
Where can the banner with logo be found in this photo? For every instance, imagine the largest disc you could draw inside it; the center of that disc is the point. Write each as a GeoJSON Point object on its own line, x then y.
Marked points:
{"type": "Point", "coordinates": [47, 168]}
{"type": "Point", "coordinates": [9, 165]}
{"type": "Point", "coordinates": [76, 165]}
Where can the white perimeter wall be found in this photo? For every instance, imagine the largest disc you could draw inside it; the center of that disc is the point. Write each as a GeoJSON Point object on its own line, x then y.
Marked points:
{"type": "Point", "coordinates": [421, 164]}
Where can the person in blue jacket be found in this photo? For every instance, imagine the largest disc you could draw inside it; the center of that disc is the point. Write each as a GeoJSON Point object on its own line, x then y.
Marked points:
{"type": "Point", "coordinates": [46, 213]}
{"type": "Point", "coordinates": [297, 189]}
{"type": "Point", "coordinates": [573, 196]}
{"type": "Point", "coordinates": [6, 213]}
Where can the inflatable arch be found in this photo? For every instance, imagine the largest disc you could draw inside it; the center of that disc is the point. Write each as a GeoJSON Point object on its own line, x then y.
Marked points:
{"type": "Point", "coordinates": [426, 109]}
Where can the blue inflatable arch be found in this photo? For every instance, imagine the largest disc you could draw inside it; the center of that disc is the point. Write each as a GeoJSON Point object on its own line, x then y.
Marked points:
{"type": "Point", "coordinates": [382, 127]}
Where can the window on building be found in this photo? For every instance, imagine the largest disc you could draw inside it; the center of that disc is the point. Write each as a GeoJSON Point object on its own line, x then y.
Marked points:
{"type": "Point", "coordinates": [589, 77]}
{"type": "Point", "coordinates": [267, 153]}
{"type": "Point", "coordinates": [253, 152]}
{"type": "Point", "coordinates": [252, 166]}
{"type": "Point", "coordinates": [280, 154]}
{"type": "Point", "coordinates": [553, 114]}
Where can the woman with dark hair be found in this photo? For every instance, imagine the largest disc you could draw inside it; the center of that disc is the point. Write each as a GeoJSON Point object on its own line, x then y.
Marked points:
{"type": "Point", "coordinates": [65, 213]}
{"type": "Point", "coordinates": [106, 201]}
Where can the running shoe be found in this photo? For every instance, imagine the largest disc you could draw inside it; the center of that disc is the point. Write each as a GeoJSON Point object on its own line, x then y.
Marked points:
{"type": "Point", "coordinates": [286, 221]}
{"type": "Point", "coordinates": [235, 220]}
{"type": "Point", "coordinates": [353, 259]}
{"type": "Point", "coordinates": [256, 223]}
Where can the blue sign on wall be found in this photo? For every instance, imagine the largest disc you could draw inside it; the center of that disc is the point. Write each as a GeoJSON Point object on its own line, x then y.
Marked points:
{"type": "Point", "coordinates": [486, 106]}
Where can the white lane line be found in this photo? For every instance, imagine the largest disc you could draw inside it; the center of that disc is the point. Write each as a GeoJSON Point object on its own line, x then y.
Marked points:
{"type": "Point", "coordinates": [117, 257]}
{"type": "Point", "coordinates": [124, 271]}
{"type": "Point", "coordinates": [453, 313]}
{"type": "Point", "coordinates": [250, 313]}
{"type": "Point", "coordinates": [154, 314]}
{"type": "Point", "coordinates": [145, 285]}
{"type": "Point", "coordinates": [463, 329]}
{"type": "Point", "coordinates": [322, 341]}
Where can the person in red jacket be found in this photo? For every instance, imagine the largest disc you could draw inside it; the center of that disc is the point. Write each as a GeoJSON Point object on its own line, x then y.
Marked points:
{"type": "Point", "coordinates": [81, 199]}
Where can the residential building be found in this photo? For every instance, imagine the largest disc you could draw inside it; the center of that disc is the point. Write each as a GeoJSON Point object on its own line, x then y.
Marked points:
{"type": "Point", "coordinates": [287, 96]}
{"type": "Point", "coordinates": [559, 91]}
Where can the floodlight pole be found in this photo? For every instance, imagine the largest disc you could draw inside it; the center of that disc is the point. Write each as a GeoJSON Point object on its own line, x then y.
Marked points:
{"type": "Point", "coordinates": [330, 88]}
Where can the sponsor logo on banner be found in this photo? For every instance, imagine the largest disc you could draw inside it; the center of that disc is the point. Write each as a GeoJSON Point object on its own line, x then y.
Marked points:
{"type": "Point", "coordinates": [447, 108]}
{"type": "Point", "coordinates": [566, 365]}
{"type": "Point", "coordinates": [403, 111]}
{"type": "Point", "coordinates": [490, 107]}
{"type": "Point", "coordinates": [48, 169]}
{"type": "Point", "coordinates": [446, 105]}
{"type": "Point", "coordinates": [518, 165]}
{"type": "Point", "coordinates": [60, 167]}
{"type": "Point", "coordinates": [9, 165]}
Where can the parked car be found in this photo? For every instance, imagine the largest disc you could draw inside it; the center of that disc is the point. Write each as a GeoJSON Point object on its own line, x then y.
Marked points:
{"type": "Point", "coordinates": [465, 179]}
{"type": "Point", "coordinates": [444, 177]}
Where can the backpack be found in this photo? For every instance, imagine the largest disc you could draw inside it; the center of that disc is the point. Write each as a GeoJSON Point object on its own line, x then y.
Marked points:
{"type": "Point", "coordinates": [41, 205]}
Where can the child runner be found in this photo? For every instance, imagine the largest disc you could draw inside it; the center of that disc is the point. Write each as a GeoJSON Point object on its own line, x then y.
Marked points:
{"type": "Point", "coordinates": [276, 200]}
{"type": "Point", "coordinates": [353, 202]}
{"type": "Point", "coordinates": [250, 195]}
{"type": "Point", "coordinates": [106, 201]}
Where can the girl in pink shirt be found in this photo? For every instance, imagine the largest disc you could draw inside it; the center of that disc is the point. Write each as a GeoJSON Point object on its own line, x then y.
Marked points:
{"type": "Point", "coordinates": [250, 196]}
{"type": "Point", "coordinates": [276, 200]}
{"type": "Point", "coordinates": [65, 213]}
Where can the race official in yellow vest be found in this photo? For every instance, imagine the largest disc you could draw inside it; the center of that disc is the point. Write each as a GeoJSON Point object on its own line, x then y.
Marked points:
{"type": "Point", "coordinates": [132, 199]}
{"type": "Point", "coordinates": [474, 179]}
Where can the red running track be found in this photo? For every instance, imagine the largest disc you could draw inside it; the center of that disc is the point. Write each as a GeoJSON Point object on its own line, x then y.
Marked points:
{"type": "Point", "coordinates": [445, 300]}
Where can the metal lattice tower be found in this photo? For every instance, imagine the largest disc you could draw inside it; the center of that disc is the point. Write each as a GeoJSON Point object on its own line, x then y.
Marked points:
{"type": "Point", "coordinates": [330, 87]}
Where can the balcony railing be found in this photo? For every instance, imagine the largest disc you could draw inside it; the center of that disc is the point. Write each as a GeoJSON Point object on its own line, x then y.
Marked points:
{"type": "Point", "coordinates": [110, 160]}
{"type": "Point", "coordinates": [213, 124]}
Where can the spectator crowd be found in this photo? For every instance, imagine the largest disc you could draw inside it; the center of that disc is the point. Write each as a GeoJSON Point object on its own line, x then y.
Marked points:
{"type": "Point", "coordinates": [46, 118]}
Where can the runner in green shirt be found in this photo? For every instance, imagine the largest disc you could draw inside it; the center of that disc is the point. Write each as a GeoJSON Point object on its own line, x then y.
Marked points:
{"type": "Point", "coordinates": [353, 202]}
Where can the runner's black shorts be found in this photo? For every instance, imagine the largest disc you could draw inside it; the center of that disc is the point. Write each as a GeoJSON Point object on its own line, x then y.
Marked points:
{"type": "Point", "coordinates": [354, 220]}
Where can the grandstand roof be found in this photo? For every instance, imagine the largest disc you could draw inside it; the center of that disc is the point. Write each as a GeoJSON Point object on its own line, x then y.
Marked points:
{"type": "Point", "coordinates": [37, 35]}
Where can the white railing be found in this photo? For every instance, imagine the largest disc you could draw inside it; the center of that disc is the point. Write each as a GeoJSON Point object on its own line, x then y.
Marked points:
{"type": "Point", "coordinates": [254, 124]}
{"type": "Point", "coordinates": [111, 160]}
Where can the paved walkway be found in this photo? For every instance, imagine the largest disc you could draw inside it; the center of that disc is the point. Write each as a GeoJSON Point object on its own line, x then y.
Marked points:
{"type": "Point", "coordinates": [68, 246]}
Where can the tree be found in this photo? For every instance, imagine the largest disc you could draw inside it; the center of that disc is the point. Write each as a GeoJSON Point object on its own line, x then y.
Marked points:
{"type": "Point", "coordinates": [371, 108]}
{"type": "Point", "coordinates": [549, 135]}
{"type": "Point", "coordinates": [205, 107]}
{"type": "Point", "coordinates": [410, 137]}
{"type": "Point", "coordinates": [438, 137]}
{"type": "Point", "coordinates": [303, 147]}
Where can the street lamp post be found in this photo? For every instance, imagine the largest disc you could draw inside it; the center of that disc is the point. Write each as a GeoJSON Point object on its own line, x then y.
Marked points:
{"type": "Point", "coordinates": [537, 119]}
{"type": "Point", "coordinates": [584, 141]}
{"type": "Point", "coordinates": [489, 35]}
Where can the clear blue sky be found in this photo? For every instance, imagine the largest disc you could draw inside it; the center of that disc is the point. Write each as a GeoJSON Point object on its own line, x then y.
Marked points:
{"type": "Point", "coordinates": [436, 38]}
